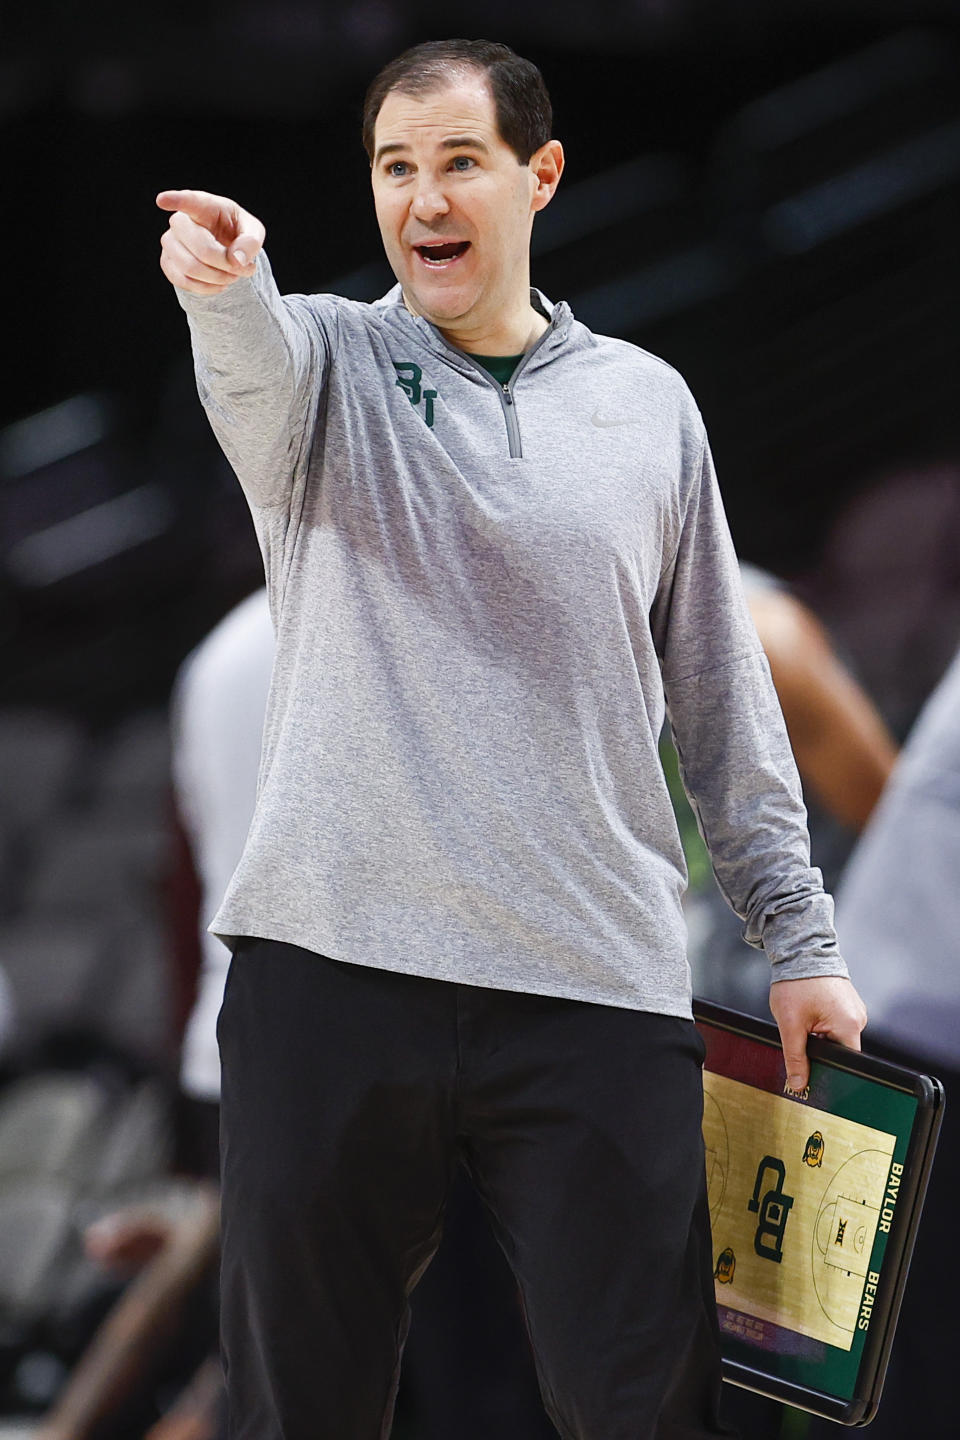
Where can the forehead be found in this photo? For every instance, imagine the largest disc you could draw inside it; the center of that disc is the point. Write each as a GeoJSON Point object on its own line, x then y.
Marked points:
{"type": "Point", "coordinates": [462, 106]}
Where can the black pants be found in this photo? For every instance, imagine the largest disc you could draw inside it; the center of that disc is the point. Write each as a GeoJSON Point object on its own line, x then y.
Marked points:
{"type": "Point", "coordinates": [468, 1370]}
{"type": "Point", "coordinates": [350, 1095]}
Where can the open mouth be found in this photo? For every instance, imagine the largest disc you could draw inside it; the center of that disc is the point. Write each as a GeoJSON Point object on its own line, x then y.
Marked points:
{"type": "Point", "coordinates": [442, 253]}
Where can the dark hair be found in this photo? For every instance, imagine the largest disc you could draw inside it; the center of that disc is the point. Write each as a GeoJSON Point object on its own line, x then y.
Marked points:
{"type": "Point", "coordinates": [520, 100]}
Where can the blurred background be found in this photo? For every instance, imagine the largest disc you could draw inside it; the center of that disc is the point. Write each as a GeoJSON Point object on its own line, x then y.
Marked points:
{"type": "Point", "coordinates": [766, 195]}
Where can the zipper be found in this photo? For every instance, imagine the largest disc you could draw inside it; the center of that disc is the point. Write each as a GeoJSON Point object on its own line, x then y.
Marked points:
{"type": "Point", "coordinates": [505, 392]}
{"type": "Point", "coordinates": [510, 416]}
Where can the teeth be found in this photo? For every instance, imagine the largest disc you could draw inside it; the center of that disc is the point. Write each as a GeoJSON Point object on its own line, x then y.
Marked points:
{"type": "Point", "coordinates": [441, 253]}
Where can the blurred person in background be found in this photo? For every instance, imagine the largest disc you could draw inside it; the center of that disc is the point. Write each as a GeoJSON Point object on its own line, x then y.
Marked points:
{"type": "Point", "coordinates": [218, 704]}
{"type": "Point", "coordinates": [147, 1348]}
{"type": "Point", "coordinates": [898, 915]}
{"type": "Point", "coordinates": [843, 748]}
{"type": "Point", "coordinates": [456, 923]}
{"type": "Point", "coordinates": [899, 899]}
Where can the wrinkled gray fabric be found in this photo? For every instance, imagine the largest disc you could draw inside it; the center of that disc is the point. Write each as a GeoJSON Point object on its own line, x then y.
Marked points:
{"type": "Point", "coordinates": [460, 775]}
{"type": "Point", "coordinates": [898, 905]}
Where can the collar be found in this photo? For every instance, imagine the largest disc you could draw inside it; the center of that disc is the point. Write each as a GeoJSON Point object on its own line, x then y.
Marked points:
{"type": "Point", "coordinates": [558, 315]}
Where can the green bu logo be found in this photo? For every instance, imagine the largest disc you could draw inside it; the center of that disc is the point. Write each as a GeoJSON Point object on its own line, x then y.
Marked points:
{"type": "Point", "coordinates": [410, 380]}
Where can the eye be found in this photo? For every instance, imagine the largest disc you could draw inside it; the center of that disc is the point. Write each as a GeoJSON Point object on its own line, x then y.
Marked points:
{"type": "Point", "coordinates": [463, 162]}
{"type": "Point", "coordinates": [397, 168]}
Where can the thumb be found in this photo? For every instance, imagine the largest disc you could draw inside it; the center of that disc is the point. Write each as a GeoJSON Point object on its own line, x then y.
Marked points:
{"type": "Point", "coordinates": [244, 250]}
{"type": "Point", "coordinates": [793, 1038]}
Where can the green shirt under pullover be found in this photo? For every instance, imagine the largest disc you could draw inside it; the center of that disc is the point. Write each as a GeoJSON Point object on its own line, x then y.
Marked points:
{"type": "Point", "coordinates": [483, 595]}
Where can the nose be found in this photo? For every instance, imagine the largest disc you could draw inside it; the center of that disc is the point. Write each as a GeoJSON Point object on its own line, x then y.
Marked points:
{"type": "Point", "coordinates": [429, 202]}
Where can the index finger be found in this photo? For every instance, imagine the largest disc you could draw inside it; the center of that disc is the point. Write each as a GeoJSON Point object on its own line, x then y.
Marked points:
{"type": "Point", "coordinates": [200, 205]}
{"type": "Point", "coordinates": [793, 1042]}
{"type": "Point", "coordinates": [222, 217]}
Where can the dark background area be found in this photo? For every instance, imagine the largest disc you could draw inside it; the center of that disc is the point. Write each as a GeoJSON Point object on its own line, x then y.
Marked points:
{"type": "Point", "coordinates": [765, 195]}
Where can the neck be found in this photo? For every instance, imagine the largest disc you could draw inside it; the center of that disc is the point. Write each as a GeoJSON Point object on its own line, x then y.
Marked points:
{"type": "Point", "coordinates": [507, 334]}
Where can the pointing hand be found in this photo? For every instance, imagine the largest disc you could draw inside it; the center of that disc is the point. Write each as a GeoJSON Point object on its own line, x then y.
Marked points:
{"type": "Point", "coordinates": [210, 242]}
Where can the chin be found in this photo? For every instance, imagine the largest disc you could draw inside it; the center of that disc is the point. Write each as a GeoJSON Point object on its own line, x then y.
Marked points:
{"type": "Point", "coordinates": [442, 313]}
{"type": "Point", "coordinates": [440, 303]}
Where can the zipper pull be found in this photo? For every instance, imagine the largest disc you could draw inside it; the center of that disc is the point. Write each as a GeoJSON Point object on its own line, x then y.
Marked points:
{"type": "Point", "coordinates": [507, 394]}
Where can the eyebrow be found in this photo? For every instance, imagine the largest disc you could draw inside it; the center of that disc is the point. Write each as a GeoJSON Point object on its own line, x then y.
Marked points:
{"type": "Point", "coordinates": [454, 142]}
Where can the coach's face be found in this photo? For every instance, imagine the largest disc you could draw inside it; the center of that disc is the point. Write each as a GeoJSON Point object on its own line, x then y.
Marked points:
{"type": "Point", "coordinates": [455, 208]}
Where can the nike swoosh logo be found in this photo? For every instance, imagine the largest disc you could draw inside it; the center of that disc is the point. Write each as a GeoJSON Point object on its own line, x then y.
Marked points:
{"type": "Point", "coordinates": [607, 422]}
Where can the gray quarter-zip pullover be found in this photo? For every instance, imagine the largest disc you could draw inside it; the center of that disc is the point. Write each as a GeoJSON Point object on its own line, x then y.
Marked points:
{"type": "Point", "coordinates": [483, 597]}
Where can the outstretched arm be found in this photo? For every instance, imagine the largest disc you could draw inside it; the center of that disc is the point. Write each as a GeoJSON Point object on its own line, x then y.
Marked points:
{"type": "Point", "coordinates": [261, 359]}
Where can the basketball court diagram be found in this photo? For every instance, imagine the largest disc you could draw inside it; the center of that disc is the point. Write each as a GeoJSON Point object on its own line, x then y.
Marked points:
{"type": "Point", "coordinates": [717, 1149]}
{"type": "Point", "coordinates": [795, 1196]}
{"type": "Point", "coordinates": [843, 1236]}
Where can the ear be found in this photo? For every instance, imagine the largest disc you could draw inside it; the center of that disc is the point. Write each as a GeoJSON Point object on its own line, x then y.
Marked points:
{"type": "Point", "coordinates": [546, 166]}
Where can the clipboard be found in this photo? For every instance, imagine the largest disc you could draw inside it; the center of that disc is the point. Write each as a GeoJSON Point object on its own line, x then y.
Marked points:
{"type": "Point", "coordinates": [814, 1203]}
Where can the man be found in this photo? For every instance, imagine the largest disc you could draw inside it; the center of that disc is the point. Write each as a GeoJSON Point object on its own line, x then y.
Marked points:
{"type": "Point", "coordinates": [493, 541]}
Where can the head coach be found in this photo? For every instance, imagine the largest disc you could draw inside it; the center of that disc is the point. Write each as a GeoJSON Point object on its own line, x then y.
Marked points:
{"type": "Point", "coordinates": [496, 559]}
